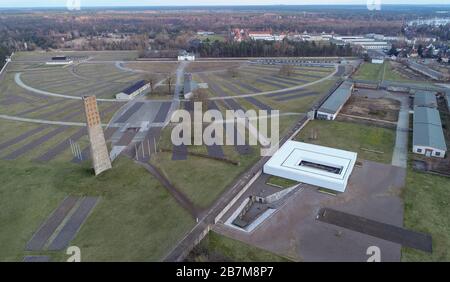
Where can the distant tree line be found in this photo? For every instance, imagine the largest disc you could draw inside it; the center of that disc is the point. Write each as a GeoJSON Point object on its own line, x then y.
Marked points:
{"type": "Point", "coordinates": [270, 49]}
{"type": "Point", "coordinates": [4, 52]}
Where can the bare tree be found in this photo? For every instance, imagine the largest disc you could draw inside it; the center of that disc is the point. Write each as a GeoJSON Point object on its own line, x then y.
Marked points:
{"type": "Point", "coordinates": [233, 72]}
{"type": "Point", "coordinates": [287, 70]}
{"type": "Point", "coordinates": [152, 80]}
{"type": "Point", "coordinates": [170, 81]}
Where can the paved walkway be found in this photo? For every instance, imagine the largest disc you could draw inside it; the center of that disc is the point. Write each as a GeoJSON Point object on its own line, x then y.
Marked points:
{"type": "Point", "coordinates": [178, 195]}
{"type": "Point", "coordinates": [209, 217]}
{"type": "Point", "coordinates": [400, 154]}
{"type": "Point", "coordinates": [279, 90]}
{"type": "Point", "coordinates": [20, 83]}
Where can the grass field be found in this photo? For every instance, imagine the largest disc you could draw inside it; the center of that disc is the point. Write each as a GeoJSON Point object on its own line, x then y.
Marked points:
{"type": "Point", "coordinates": [217, 248]}
{"type": "Point", "coordinates": [427, 206]}
{"type": "Point", "coordinates": [215, 176]}
{"type": "Point", "coordinates": [127, 224]}
{"type": "Point", "coordinates": [352, 137]}
{"type": "Point", "coordinates": [96, 55]}
{"type": "Point", "coordinates": [369, 71]}
{"type": "Point", "coordinates": [281, 182]}
{"type": "Point", "coordinates": [154, 67]}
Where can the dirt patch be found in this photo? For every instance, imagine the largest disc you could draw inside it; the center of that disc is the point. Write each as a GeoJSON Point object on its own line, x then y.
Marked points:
{"type": "Point", "coordinates": [379, 109]}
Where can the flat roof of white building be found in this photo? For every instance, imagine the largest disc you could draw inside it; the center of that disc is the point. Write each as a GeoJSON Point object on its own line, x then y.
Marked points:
{"type": "Point", "coordinates": [312, 164]}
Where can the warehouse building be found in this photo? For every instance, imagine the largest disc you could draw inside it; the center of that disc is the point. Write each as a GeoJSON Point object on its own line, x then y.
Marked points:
{"type": "Point", "coordinates": [312, 164]}
{"type": "Point", "coordinates": [428, 136]}
{"type": "Point", "coordinates": [425, 70]}
{"type": "Point", "coordinates": [131, 92]}
{"type": "Point", "coordinates": [333, 105]}
{"type": "Point", "coordinates": [425, 99]}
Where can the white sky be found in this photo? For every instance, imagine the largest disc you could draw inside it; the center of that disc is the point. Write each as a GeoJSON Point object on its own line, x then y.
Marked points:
{"type": "Point", "coordinates": [86, 3]}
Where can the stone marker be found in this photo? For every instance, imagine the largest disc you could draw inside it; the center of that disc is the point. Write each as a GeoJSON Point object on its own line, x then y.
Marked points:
{"type": "Point", "coordinates": [99, 151]}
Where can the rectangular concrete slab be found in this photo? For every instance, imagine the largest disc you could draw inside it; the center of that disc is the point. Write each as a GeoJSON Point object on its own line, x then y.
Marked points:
{"type": "Point", "coordinates": [162, 112]}
{"type": "Point", "coordinates": [35, 143]}
{"type": "Point", "coordinates": [46, 230]}
{"type": "Point", "coordinates": [292, 79]}
{"type": "Point", "coordinates": [128, 113]}
{"type": "Point", "coordinates": [58, 149]}
{"type": "Point", "coordinates": [296, 96]}
{"type": "Point", "coordinates": [282, 81]}
{"type": "Point", "coordinates": [74, 224]}
{"type": "Point", "coordinates": [269, 82]}
{"type": "Point", "coordinates": [21, 137]}
{"type": "Point", "coordinates": [248, 87]}
{"type": "Point", "coordinates": [406, 238]}
{"type": "Point", "coordinates": [36, 259]}
{"type": "Point", "coordinates": [258, 103]}
{"type": "Point", "coordinates": [283, 93]}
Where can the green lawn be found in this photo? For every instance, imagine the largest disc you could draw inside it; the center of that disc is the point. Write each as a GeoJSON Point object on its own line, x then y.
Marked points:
{"type": "Point", "coordinates": [353, 137]}
{"type": "Point", "coordinates": [202, 180]}
{"type": "Point", "coordinates": [217, 248]}
{"type": "Point", "coordinates": [281, 182]}
{"type": "Point", "coordinates": [126, 225]}
{"type": "Point", "coordinates": [427, 209]}
{"type": "Point", "coordinates": [369, 71]}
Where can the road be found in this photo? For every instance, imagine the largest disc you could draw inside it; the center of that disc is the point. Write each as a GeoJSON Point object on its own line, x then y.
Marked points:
{"type": "Point", "coordinates": [20, 83]}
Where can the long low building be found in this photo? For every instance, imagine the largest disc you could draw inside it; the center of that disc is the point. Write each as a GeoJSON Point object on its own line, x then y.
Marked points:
{"type": "Point", "coordinates": [333, 105]}
{"type": "Point", "coordinates": [425, 99]}
{"type": "Point", "coordinates": [60, 61]}
{"type": "Point", "coordinates": [425, 70]}
{"type": "Point", "coordinates": [312, 164]}
{"type": "Point", "coordinates": [133, 90]}
{"type": "Point", "coordinates": [428, 136]}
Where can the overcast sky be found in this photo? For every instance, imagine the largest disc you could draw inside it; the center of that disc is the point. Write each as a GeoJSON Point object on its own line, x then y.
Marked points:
{"type": "Point", "coordinates": [86, 3]}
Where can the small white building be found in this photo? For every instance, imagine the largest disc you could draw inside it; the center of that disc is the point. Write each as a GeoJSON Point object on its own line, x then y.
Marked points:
{"type": "Point", "coordinates": [378, 61]}
{"type": "Point", "coordinates": [131, 92]}
{"type": "Point", "coordinates": [59, 61]}
{"type": "Point", "coordinates": [428, 136]}
{"type": "Point", "coordinates": [312, 164]}
{"type": "Point", "coordinates": [185, 56]}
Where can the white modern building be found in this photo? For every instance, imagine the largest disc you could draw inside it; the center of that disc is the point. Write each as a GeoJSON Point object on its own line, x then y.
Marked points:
{"type": "Point", "coordinates": [363, 42]}
{"type": "Point", "coordinates": [185, 56]}
{"type": "Point", "coordinates": [312, 164]}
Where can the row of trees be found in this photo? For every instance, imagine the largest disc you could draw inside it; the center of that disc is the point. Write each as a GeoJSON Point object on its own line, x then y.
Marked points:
{"type": "Point", "coordinates": [270, 49]}
{"type": "Point", "coordinates": [4, 52]}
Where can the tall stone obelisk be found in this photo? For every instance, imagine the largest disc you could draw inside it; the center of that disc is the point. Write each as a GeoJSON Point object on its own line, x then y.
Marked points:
{"type": "Point", "coordinates": [99, 150]}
